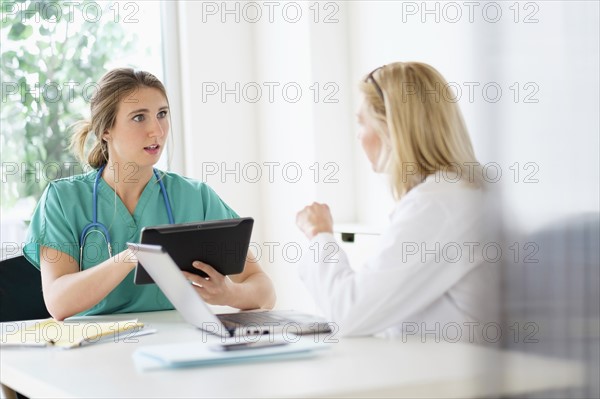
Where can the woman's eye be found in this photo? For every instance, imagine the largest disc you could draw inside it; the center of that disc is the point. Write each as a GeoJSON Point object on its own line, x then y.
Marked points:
{"type": "Point", "coordinates": [162, 114]}
{"type": "Point", "coordinates": [138, 118]}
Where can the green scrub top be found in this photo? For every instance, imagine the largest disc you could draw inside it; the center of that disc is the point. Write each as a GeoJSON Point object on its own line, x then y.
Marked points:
{"type": "Point", "coordinates": [65, 208]}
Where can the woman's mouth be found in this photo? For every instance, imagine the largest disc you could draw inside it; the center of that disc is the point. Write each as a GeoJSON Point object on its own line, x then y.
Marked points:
{"type": "Point", "coordinates": [152, 149]}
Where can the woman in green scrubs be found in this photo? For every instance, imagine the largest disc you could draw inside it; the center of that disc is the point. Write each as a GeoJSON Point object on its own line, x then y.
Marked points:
{"type": "Point", "coordinates": [130, 124]}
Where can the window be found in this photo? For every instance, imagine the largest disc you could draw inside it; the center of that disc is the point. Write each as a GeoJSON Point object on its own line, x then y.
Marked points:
{"type": "Point", "coordinates": [52, 54]}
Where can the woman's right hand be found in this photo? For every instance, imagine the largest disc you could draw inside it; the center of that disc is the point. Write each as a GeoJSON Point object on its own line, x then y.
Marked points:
{"type": "Point", "coordinates": [314, 219]}
{"type": "Point", "coordinates": [68, 291]}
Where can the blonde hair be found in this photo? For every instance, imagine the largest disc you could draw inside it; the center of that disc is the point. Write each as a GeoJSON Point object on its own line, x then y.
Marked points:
{"type": "Point", "coordinates": [111, 89]}
{"type": "Point", "coordinates": [420, 125]}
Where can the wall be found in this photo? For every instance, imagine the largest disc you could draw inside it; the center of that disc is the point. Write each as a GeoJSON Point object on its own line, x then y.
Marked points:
{"type": "Point", "coordinates": [293, 144]}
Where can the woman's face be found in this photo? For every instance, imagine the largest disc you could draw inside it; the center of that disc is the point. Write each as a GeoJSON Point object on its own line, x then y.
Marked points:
{"type": "Point", "coordinates": [140, 131]}
{"type": "Point", "coordinates": [369, 139]}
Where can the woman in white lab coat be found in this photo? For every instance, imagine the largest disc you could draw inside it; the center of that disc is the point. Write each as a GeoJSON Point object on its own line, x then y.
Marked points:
{"type": "Point", "coordinates": [429, 277]}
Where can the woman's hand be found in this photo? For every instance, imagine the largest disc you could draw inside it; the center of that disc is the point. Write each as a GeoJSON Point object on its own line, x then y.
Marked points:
{"type": "Point", "coordinates": [315, 219]}
{"type": "Point", "coordinates": [216, 289]}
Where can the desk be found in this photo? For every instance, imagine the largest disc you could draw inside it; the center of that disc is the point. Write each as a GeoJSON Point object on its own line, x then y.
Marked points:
{"type": "Point", "coordinates": [354, 367]}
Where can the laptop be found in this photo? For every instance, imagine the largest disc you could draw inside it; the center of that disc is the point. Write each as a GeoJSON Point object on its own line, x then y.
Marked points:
{"type": "Point", "coordinates": [163, 270]}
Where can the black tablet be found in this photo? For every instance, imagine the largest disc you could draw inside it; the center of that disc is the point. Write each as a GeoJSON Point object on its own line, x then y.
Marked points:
{"type": "Point", "coordinates": [223, 244]}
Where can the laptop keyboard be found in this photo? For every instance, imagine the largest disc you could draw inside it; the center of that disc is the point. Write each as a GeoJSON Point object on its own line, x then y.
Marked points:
{"type": "Point", "coordinates": [264, 322]}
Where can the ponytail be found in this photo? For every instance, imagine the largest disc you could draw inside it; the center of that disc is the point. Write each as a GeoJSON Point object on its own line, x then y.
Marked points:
{"type": "Point", "coordinates": [98, 155]}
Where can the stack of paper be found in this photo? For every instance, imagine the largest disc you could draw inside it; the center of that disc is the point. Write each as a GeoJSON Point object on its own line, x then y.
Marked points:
{"type": "Point", "coordinates": [205, 354]}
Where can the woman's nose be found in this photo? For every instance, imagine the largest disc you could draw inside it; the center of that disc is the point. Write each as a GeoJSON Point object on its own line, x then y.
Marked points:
{"type": "Point", "coordinates": [158, 129]}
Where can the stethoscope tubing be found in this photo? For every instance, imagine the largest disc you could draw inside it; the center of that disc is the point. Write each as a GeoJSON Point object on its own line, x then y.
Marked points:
{"type": "Point", "coordinates": [100, 227]}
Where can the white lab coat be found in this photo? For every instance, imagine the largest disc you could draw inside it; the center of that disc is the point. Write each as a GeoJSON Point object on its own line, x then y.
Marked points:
{"type": "Point", "coordinates": [417, 283]}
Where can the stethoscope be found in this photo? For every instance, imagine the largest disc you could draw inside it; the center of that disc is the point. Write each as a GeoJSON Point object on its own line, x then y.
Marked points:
{"type": "Point", "coordinates": [101, 228]}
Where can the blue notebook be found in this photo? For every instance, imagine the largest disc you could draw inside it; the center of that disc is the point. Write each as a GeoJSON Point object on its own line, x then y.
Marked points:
{"type": "Point", "coordinates": [194, 354]}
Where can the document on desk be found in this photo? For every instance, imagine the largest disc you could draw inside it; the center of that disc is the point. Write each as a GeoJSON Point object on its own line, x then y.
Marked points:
{"type": "Point", "coordinates": [197, 353]}
{"type": "Point", "coordinates": [67, 335]}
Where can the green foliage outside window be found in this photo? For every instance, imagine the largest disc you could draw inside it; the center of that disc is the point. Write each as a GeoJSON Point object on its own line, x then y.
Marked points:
{"type": "Point", "coordinates": [52, 53]}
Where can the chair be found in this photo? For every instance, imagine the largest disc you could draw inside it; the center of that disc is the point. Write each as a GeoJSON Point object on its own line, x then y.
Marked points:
{"type": "Point", "coordinates": [555, 299]}
{"type": "Point", "coordinates": [20, 297]}
{"type": "Point", "coordinates": [21, 291]}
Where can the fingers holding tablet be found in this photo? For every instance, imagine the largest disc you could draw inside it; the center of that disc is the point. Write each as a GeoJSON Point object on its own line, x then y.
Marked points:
{"type": "Point", "coordinates": [215, 289]}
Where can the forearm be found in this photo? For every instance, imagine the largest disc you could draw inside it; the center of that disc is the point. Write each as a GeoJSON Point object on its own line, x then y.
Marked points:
{"type": "Point", "coordinates": [256, 292]}
{"type": "Point", "coordinates": [326, 273]}
{"type": "Point", "coordinates": [72, 293]}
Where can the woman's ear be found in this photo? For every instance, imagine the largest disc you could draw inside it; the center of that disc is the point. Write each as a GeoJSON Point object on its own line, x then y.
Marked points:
{"type": "Point", "coordinates": [106, 136]}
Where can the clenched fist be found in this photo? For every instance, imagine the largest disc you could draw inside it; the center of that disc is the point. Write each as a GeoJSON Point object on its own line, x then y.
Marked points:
{"type": "Point", "coordinates": [314, 219]}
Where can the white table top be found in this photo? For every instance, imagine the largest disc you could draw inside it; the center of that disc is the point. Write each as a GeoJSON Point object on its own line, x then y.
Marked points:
{"type": "Point", "coordinates": [353, 367]}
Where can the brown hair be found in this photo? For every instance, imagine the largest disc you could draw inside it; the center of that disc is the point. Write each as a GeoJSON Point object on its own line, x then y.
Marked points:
{"type": "Point", "coordinates": [420, 125]}
{"type": "Point", "coordinates": [111, 89]}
